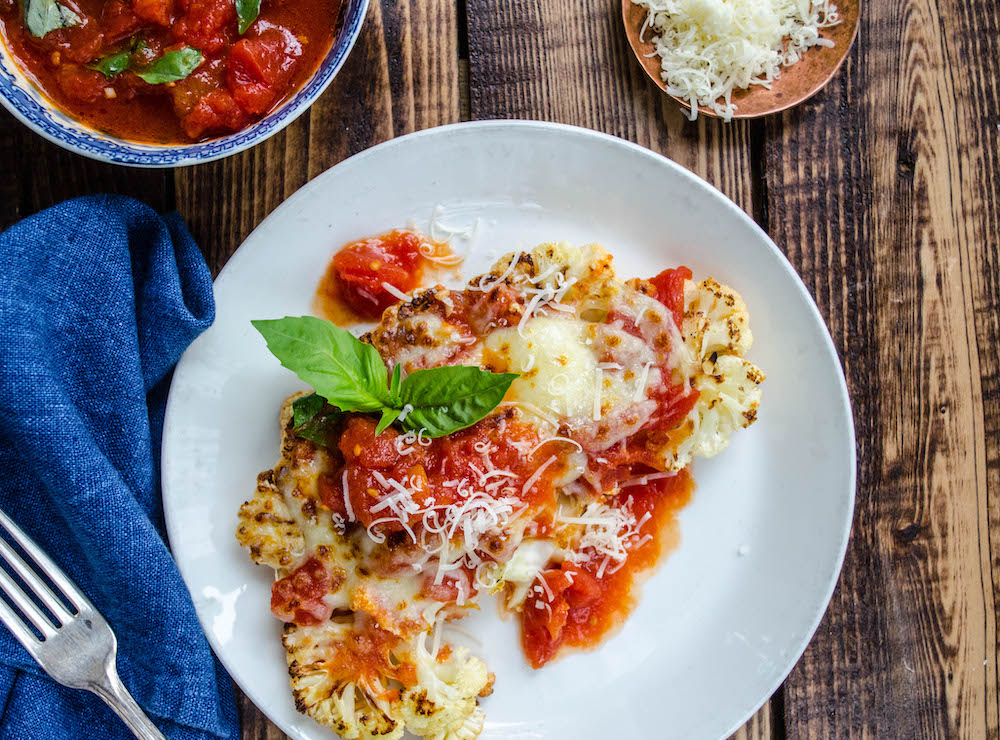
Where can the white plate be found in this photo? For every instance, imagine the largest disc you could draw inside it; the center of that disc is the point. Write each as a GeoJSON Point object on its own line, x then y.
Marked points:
{"type": "Point", "coordinates": [715, 632]}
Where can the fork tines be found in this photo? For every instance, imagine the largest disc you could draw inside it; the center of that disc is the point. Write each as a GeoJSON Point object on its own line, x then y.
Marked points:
{"type": "Point", "coordinates": [61, 607]}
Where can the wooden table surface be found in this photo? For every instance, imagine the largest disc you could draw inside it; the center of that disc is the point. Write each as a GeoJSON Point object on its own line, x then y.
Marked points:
{"type": "Point", "coordinates": [883, 191]}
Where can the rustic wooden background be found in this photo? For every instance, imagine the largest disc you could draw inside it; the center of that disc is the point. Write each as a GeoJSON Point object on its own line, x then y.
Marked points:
{"type": "Point", "coordinates": [884, 192]}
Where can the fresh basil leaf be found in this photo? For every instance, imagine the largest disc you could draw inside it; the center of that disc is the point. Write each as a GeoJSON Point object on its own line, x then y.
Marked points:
{"type": "Point", "coordinates": [172, 66]}
{"type": "Point", "coordinates": [394, 383]}
{"type": "Point", "coordinates": [320, 427]}
{"type": "Point", "coordinates": [389, 415]}
{"type": "Point", "coordinates": [43, 16]}
{"type": "Point", "coordinates": [344, 370]}
{"type": "Point", "coordinates": [246, 13]}
{"type": "Point", "coordinates": [112, 65]}
{"type": "Point", "coordinates": [446, 399]}
{"type": "Point", "coordinates": [306, 407]}
{"type": "Point", "coordinates": [314, 419]}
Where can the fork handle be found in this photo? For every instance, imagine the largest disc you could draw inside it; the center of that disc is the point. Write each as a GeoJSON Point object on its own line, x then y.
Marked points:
{"type": "Point", "coordinates": [116, 696]}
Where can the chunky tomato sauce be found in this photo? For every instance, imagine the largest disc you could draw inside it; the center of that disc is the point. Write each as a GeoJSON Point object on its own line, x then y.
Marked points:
{"type": "Point", "coordinates": [586, 603]}
{"type": "Point", "coordinates": [298, 597]}
{"type": "Point", "coordinates": [436, 470]}
{"type": "Point", "coordinates": [582, 599]}
{"type": "Point", "coordinates": [354, 288]}
{"type": "Point", "coordinates": [240, 77]}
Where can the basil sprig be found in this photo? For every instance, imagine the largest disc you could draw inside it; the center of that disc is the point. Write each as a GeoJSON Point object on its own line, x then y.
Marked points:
{"type": "Point", "coordinates": [351, 376]}
{"type": "Point", "coordinates": [246, 13]}
{"type": "Point", "coordinates": [43, 16]}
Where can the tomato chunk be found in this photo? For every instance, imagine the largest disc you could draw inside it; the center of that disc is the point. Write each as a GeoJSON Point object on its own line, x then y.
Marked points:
{"type": "Point", "coordinates": [331, 493]}
{"type": "Point", "coordinates": [206, 25]}
{"type": "Point", "coordinates": [118, 20]}
{"type": "Point", "coordinates": [362, 269]}
{"type": "Point", "coordinates": [544, 617]}
{"type": "Point", "coordinates": [670, 290]}
{"type": "Point", "coordinates": [80, 83]}
{"type": "Point", "coordinates": [159, 12]}
{"type": "Point", "coordinates": [298, 597]}
{"type": "Point", "coordinates": [261, 65]}
{"type": "Point", "coordinates": [214, 113]}
{"type": "Point", "coordinates": [82, 43]}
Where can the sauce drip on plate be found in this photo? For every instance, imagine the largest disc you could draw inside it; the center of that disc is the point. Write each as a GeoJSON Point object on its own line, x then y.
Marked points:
{"type": "Point", "coordinates": [587, 603]}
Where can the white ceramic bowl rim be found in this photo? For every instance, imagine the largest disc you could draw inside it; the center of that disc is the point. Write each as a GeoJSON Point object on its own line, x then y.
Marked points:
{"type": "Point", "coordinates": [28, 105]}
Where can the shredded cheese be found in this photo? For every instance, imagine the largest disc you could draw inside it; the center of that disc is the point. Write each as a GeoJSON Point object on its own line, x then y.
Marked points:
{"type": "Point", "coordinates": [536, 475]}
{"type": "Point", "coordinates": [394, 291]}
{"type": "Point", "coordinates": [347, 497]}
{"type": "Point", "coordinates": [709, 48]}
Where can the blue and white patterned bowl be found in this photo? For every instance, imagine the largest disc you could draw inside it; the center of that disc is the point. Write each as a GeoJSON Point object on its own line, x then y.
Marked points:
{"type": "Point", "coordinates": [23, 99]}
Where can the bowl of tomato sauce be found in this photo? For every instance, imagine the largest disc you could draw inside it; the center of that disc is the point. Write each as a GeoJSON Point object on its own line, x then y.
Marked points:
{"type": "Point", "coordinates": [166, 83]}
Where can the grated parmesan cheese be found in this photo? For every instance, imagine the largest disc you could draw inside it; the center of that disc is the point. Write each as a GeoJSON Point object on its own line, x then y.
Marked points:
{"type": "Point", "coordinates": [709, 48]}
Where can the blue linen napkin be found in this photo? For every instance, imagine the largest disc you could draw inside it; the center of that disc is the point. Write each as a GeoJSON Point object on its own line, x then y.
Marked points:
{"type": "Point", "coordinates": [99, 296]}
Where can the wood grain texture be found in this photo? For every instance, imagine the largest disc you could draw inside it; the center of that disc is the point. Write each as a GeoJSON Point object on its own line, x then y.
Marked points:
{"type": "Point", "coordinates": [37, 174]}
{"type": "Point", "coordinates": [884, 194]}
{"type": "Point", "coordinates": [402, 76]}
{"type": "Point", "coordinates": [527, 61]}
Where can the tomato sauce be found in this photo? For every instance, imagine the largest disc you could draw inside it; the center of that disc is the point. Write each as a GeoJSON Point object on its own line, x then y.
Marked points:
{"type": "Point", "coordinates": [240, 77]}
{"type": "Point", "coordinates": [365, 657]}
{"type": "Point", "coordinates": [427, 468]}
{"type": "Point", "coordinates": [354, 288]}
{"type": "Point", "coordinates": [669, 286]}
{"type": "Point", "coordinates": [298, 597]}
{"type": "Point", "coordinates": [588, 604]}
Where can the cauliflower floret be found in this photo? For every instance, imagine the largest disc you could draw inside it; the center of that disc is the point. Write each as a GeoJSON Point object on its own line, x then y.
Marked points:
{"type": "Point", "coordinates": [715, 320]}
{"type": "Point", "coordinates": [267, 528]}
{"type": "Point", "coordinates": [443, 703]}
{"type": "Point", "coordinates": [730, 395]}
{"type": "Point", "coordinates": [716, 330]}
{"type": "Point", "coordinates": [351, 710]}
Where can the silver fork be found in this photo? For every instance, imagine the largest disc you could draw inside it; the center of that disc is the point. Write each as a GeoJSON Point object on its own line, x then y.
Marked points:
{"type": "Point", "coordinates": [79, 649]}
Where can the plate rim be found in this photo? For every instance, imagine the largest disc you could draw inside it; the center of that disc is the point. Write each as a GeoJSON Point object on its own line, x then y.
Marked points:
{"type": "Point", "coordinates": [171, 519]}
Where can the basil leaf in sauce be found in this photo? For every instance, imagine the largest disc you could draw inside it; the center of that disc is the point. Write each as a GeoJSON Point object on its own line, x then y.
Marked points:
{"type": "Point", "coordinates": [305, 409]}
{"type": "Point", "coordinates": [446, 399]}
{"type": "Point", "coordinates": [43, 16]}
{"type": "Point", "coordinates": [112, 65]}
{"type": "Point", "coordinates": [172, 66]}
{"type": "Point", "coordinates": [344, 370]}
{"type": "Point", "coordinates": [246, 13]}
{"type": "Point", "coordinates": [314, 419]}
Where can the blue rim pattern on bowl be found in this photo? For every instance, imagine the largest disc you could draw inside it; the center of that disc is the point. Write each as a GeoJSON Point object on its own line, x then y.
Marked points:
{"type": "Point", "coordinates": [27, 104]}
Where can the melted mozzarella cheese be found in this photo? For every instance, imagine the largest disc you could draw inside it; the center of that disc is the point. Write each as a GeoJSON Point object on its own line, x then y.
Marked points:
{"type": "Point", "coordinates": [560, 367]}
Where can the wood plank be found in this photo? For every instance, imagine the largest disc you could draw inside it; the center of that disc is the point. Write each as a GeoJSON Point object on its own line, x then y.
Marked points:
{"type": "Point", "coordinates": [253, 724]}
{"type": "Point", "coordinates": [526, 61]}
{"type": "Point", "coordinates": [884, 193]}
{"type": "Point", "coordinates": [38, 174]}
{"type": "Point", "coordinates": [402, 76]}
{"type": "Point", "coordinates": [759, 726]}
